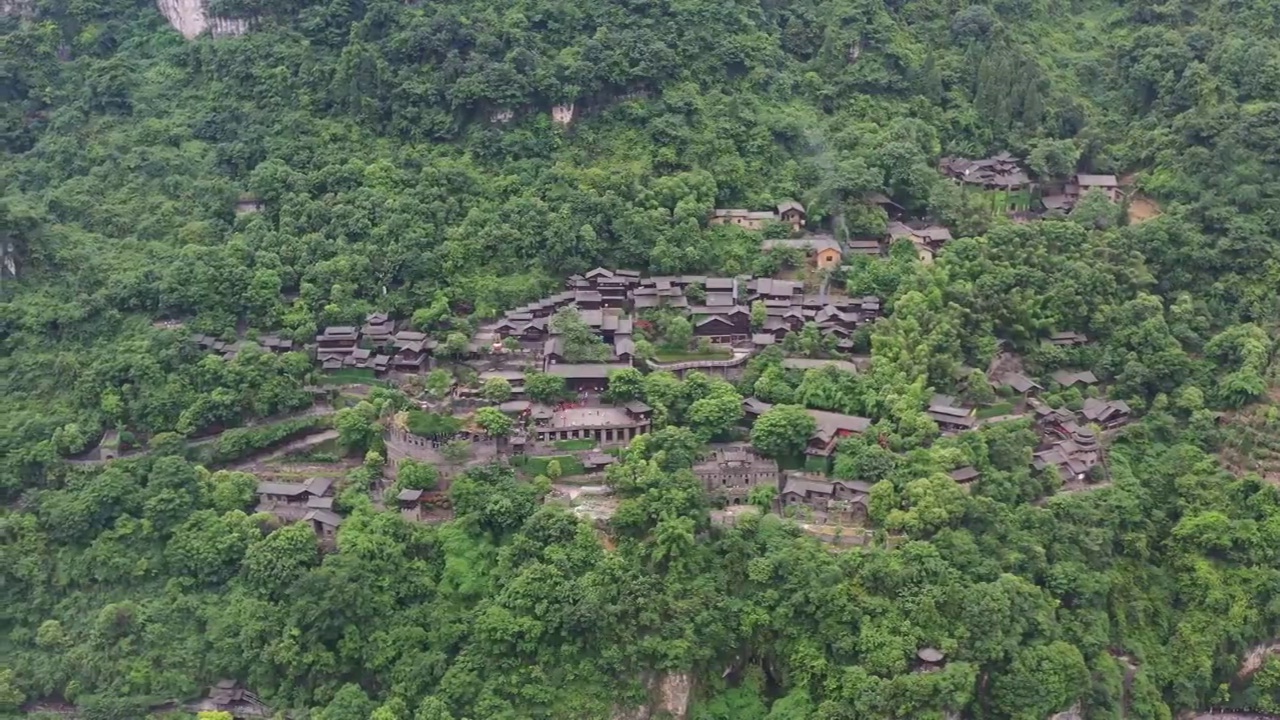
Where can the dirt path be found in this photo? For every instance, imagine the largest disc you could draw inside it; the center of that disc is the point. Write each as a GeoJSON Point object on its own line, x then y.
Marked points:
{"type": "Point", "coordinates": [1142, 209]}
{"type": "Point", "coordinates": [301, 444]}
{"type": "Point", "coordinates": [317, 410]}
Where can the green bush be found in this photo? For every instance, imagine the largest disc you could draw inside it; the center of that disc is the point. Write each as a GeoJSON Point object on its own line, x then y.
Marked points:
{"type": "Point", "coordinates": [569, 465]}
{"type": "Point", "coordinates": [427, 424]}
{"type": "Point", "coordinates": [995, 410]}
{"type": "Point", "coordinates": [238, 443]}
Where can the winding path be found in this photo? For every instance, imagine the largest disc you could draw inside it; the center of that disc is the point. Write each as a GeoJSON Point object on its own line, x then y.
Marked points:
{"type": "Point", "coordinates": [316, 410]}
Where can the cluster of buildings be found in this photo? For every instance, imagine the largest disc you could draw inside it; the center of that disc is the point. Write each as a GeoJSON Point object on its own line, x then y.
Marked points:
{"type": "Point", "coordinates": [999, 172]}
{"type": "Point", "coordinates": [1006, 172]}
{"type": "Point", "coordinates": [838, 502]}
{"type": "Point", "coordinates": [951, 418]}
{"type": "Point", "coordinates": [309, 501]}
{"type": "Point", "coordinates": [824, 250]}
{"type": "Point", "coordinates": [229, 350]}
{"type": "Point", "coordinates": [374, 346]}
{"type": "Point", "coordinates": [829, 428]}
{"type": "Point", "coordinates": [731, 473]}
{"type": "Point", "coordinates": [1065, 200]}
{"type": "Point", "coordinates": [928, 239]}
{"type": "Point", "coordinates": [788, 213]}
{"type": "Point", "coordinates": [1069, 444]}
{"type": "Point", "coordinates": [609, 301]}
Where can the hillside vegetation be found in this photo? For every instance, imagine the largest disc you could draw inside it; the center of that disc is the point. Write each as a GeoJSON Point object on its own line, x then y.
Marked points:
{"type": "Point", "coordinates": [376, 135]}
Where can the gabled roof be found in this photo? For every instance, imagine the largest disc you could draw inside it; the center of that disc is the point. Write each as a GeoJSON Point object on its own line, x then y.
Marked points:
{"type": "Point", "coordinates": [324, 517]}
{"type": "Point", "coordinates": [877, 198]}
{"type": "Point", "coordinates": [1104, 181]}
{"type": "Point", "coordinates": [815, 243]}
{"type": "Point", "coordinates": [802, 486]}
{"type": "Point", "coordinates": [1019, 382]}
{"type": "Point", "coordinates": [1067, 378]}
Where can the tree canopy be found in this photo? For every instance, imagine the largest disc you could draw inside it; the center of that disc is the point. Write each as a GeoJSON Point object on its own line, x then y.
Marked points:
{"type": "Point", "coordinates": [341, 158]}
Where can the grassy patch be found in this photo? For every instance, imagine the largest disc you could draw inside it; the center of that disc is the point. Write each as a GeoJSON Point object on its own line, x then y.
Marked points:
{"type": "Point", "coordinates": [995, 410]}
{"type": "Point", "coordinates": [664, 356]}
{"type": "Point", "coordinates": [815, 464]}
{"type": "Point", "coordinates": [569, 465]}
{"type": "Point", "coordinates": [793, 462]}
{"type": "Point", "coordinates": [351, 376]}
{"type": "Point", "coordinates": [426, 424]}
{"type": "Point", "coordinates": [575, 445]}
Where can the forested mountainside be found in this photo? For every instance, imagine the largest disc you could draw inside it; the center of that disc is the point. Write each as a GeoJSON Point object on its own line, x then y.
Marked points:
{"type": "Point", "coordinates": [350, 157]}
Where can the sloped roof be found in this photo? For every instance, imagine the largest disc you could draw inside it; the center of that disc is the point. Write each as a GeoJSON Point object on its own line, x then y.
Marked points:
{"type": "Point", "coordinates": [1105, 181]}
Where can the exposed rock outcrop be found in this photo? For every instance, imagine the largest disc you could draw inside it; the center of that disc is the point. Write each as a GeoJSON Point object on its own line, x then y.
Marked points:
{"type": "Point", "coordinates": [21, 8]}
{"type": "Point", "coordinates": [669, 693]}
{"type": "Point", "coordinates": [1257, 655]}
{"type": "Point", "coordinates": [191, 18]}
{"type": "Point", "coordinates": [1072, 713]}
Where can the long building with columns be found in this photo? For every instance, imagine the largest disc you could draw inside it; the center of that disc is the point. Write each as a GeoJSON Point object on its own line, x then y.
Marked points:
{"type": "Point", "coordinates": [604, 425]}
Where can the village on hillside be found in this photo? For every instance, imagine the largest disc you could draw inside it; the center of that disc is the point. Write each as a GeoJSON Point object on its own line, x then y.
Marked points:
{"type": "Point", "coordinates": [608, 320]}
{"type": "Point", "coordinates": [721, 324]}
{"type": "Point", "coordinates": [585, 434]}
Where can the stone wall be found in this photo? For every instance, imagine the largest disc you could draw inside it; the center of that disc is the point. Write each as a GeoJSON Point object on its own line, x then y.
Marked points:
{"type": "Point", "coordinates": [402, 445]}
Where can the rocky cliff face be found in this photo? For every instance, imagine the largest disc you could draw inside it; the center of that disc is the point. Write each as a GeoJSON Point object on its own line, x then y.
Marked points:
{"type": "Point", "coordinates": [190, 17]}
{"type": "Point", "coordinates": [23, 8]}
{"type": "Point", "coordinates": [669, 695]}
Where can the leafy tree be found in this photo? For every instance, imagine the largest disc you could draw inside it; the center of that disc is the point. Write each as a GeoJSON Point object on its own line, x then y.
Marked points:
{"type": "Point", "coordinates": [1054, 159]}
{"type": "Point", "coordinates": [544, 388]}
{"type": "Point", "coordinates": [227, 490]}
{"type": "Point", "coordinates": [759, 315]}
{"type": "Point", "coordinates": [1095, 210]}
{"type": "Point", "coordinates": [676, 332]}
{"type": "Point", "coordinates": [625, 385]}
{"type": "Point", "coordinates": [438, 384]}
{"type": "Point", "coordinates": [357, 427]}
{"type": "Point", "coordinates": [349, 703]}
{"type": "Point", "coordinates": [11, 697]}
{"type": "Point", "coordinates": [929, 504]}
{"type": "Point", "coordinates": [762, 496]}
{"type": "Point", "coordinates": [432, 708]}
{"type": "Point", "coordinates": [276, 561]}
{"type": "Point", "coordinates": [496, 390]}
{"type": "Point", "coordinates": [494, 422]}
{"type": "Point", "coordinates": [1043, 679]}
{"type": "Point", "coordinates": [455, 345]}
{"type": "Point", "coordinates": [859, 458]}
{"type": "Point", "coordinates": [714, 416]}
{"type": "Point", "coordinates": [492, 500]}
{"type": "Point", "coordinates": [414, 475]}
{"type": "Point", "coordinates": [782, 431]}
{"type": "Point", "coordinates": [456, 452]}
{"type": "Point", "coordinates": [580, 343]}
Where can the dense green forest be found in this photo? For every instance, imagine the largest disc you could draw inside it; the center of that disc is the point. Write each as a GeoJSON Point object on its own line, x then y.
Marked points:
{"type": "Point", "coordinates": [373, 133]}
